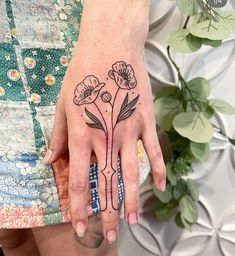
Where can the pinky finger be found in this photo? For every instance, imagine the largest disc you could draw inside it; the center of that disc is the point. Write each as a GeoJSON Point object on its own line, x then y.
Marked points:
{"type": "Point", "coordinates": [153, 149]}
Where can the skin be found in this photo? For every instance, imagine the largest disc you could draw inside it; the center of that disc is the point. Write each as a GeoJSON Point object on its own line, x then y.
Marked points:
{"type": "Point", "coordinates": [110, 31]}
{"type": "Point", "coordinates": [101, 43]}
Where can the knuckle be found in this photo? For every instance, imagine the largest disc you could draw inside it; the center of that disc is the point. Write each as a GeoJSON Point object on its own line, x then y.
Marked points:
{"type": "Point", "coordinates": [106, 191]}
{"type": "Point", "coordinates": [100, 138]}
{"type": "Point", "coordinates": [155, 153]}
{"type": "Point", "coordinates": [102, 192]}
{"type": "Point", "coordinates": [129, 126]}
{"type": "Point", "coordinates": [78, 215]}
{"type": "Point", "coordinates": [77, 138]}
{"type": "Point", "coordinates": [109, 190]}
{"type": "Point", "coordinates": [131, 174]}
{"type": "Point", "coordinates": [110, 220]}
{"type": "Point", "coordinates": [160, 171]}
{"type": "Point", "coordinates": [74, 140]}
{"type": "Point", "coordinates": [77, 186]}
{"type": "Point", "coordinates": [74, 215]}
{"type": "Point", "coordinates": [114, 192]}
{"type": "Point", "coordinates": [132, 205]}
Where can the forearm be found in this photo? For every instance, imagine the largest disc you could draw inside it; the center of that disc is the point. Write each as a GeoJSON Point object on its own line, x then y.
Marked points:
{"type": "Point", "coordinates": [115, 24]}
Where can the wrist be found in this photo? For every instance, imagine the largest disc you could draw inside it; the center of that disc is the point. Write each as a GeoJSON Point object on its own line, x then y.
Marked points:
{"type": "Point", "coordinates": [116, 21]}
{"type": "Point", "coordinates": [116, 10]}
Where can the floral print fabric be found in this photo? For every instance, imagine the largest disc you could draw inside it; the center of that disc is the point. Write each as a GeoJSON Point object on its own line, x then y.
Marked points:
{"type": "Point", "coordinates": [37, 38]}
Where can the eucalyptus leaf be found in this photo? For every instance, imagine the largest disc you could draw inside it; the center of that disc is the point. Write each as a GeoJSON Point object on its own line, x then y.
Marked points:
{"type": "Point", "coordinates": [192, 189]}
{"type": "Point", "coordinates": [229, 17]}
{"type": "Point", "coordinates": [166, 109]}
{"type": "Point", "coordinates": [164, 211]}
{"type": "Point", "coordinates": [187, 224]}
{"type": "Point", "coordinates": [194, 126]}
{"type": "Point", "coordinates": [178, 220]}
{"type": "Point", "coordinates": [200, 150]}
{"type": "Point", "coordinates": [213, 43]}
{"type": "Point", "coordinates": [211, 29]}
{"type": "Point", "coordinates": [189, 7]}
{"type": "Point", "coordinates": [168, 91]}
{"type": "Point", "coordinates": [172, 177]}
{"type": "Point", "coordinates": [222, 106]}
{"type": "Point", "coordinates": [188, 209]}
{"type": "Point", "coordinates": [181, 165]}
{"type": "Point", "coordinates": [182, 41]}
{"type": "Point", "coordinates": [207, 110]}
{"type": "Point", "coordinates": [232, 141]}
{"type": "Point", "coordinates": [198, 88]}
{"type": "Point", "coordinates": [180, 189]}
{"type": "Point", "coordinates": [164, 196]}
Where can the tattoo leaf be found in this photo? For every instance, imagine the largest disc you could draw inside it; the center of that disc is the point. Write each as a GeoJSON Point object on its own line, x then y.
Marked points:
{"type": "Point", "coordinates": [127, 108]}
{"type": "Point", "coordinates": [125, 103]}
{"type": "Point", "coordinates": [96, 122]}
{"type": "Point", "coordinates": [95, 125]}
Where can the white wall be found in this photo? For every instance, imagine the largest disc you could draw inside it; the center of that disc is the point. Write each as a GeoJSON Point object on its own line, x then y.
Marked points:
{"type": "Point", "coordinates": [214, 234]}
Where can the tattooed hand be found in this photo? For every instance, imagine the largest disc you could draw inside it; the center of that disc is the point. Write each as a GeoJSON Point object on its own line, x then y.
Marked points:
{"type": "Point", "coordinates": [105, 106]}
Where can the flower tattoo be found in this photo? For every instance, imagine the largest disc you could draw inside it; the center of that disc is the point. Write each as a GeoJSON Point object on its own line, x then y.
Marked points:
{"type": "Point", "coordinates": [87, 92]}
{"type": "Point", "coordinates": [123, 75]}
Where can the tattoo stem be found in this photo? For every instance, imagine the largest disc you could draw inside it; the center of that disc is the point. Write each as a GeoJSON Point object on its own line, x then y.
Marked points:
{"type": "Point", "coordinates": [113, 126]}
{"type": "Point", "coordinates": [106, 132]}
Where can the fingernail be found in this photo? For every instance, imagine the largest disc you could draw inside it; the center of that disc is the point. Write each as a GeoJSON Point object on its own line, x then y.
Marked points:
{"type": "Point", "coordinates": [132, 218]}
{"type": "Point", "coordinates": [111, 236]}
{"type": "Point", "coordinates": [163, 185]}
{"type": "Point", "coordinates": [47, 157]}
{"type": "Point", "coordinates": [80, 229]}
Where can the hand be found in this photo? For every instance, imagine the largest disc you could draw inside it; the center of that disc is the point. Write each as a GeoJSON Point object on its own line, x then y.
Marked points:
{"type": "Point", "coordinates": [104, 107]}
{"type": "Point", "coordinates": [77, 116]}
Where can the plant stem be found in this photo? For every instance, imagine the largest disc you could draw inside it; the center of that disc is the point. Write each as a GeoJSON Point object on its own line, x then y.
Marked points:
{"type": "Point", "coordinates": [183, 82]}
{"type": "Point", "coordinates": [222, 132]}
{"type": "Point", "coordinates": [186, 22]}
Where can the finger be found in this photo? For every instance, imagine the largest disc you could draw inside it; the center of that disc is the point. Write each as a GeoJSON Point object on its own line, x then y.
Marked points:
{"type": "Point", "coordinates": [78, 183]}
{"type": "Point", "coordinates": [153, 149]}
{"type": "Point", "coordinates": [108, 190]}
{"type": "Point", "coordinates": [94, 236]}
{"type": "Point", "coordinates": [130, 174]}
{"type": "Point", "coordinates": [59, 137]}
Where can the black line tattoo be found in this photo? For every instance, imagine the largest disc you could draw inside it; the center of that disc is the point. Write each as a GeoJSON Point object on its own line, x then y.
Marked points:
{"type": "Point", "coordinates": [87, 93]}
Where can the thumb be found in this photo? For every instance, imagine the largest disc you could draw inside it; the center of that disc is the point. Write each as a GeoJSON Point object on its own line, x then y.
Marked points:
{"type": "Point", "coordinates": [59, 137]}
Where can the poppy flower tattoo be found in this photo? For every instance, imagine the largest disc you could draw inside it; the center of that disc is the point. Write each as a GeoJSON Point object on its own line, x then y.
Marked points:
{"type": "Point", "coordinates": [86, 93]}
{"type": "Point", "coordinates": [123, 75]}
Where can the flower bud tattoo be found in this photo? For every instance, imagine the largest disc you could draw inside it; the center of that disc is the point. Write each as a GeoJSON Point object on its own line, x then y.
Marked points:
{"type": "Point", "coordinates": [106, 97]}
{"type": "Point", "coordinates": [87, 92]}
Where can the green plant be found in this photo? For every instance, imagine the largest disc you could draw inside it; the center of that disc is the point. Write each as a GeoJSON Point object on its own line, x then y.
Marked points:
{"type": "Point", "coordinates": [184, 111]}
